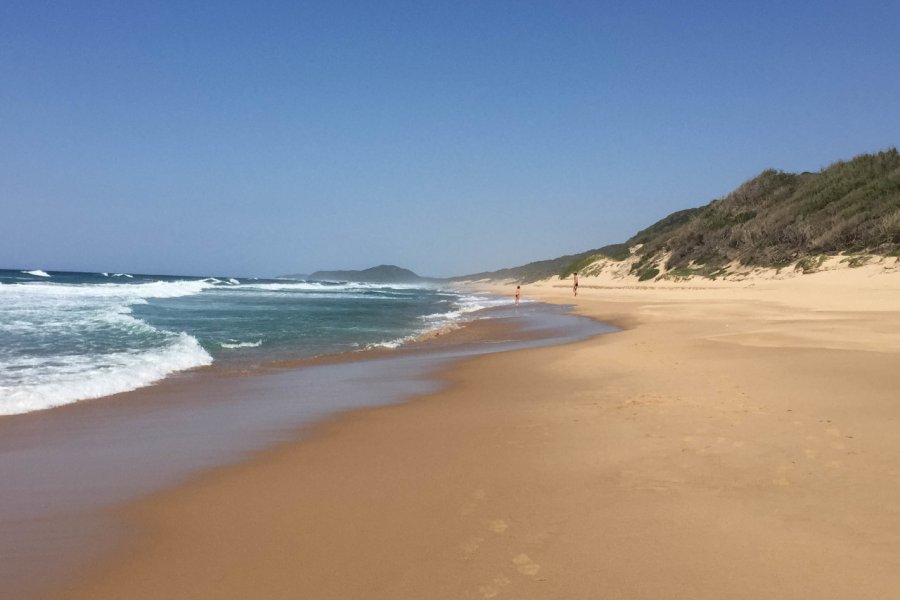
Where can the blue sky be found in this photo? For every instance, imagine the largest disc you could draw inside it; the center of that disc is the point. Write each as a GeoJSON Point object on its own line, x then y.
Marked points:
{"type": "Point", "coordinates": [259, 138]}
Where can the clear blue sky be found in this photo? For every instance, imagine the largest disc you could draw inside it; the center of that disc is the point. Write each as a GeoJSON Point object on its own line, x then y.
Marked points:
{"type": "Point", "coordinates": [258, 138]}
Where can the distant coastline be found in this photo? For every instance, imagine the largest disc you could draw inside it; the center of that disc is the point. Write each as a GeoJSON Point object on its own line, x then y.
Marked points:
{"type": "Point", "coordinates": [379, 274]}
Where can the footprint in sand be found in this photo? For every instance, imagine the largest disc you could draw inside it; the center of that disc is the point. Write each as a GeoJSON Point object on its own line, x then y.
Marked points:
{"type": "Point", "coordinates": [781, 478]}
{"type": "Point", "coordinates": [471, 546]}
{"type": "Point", "coordinates": [498, 526]}
{"type": "Point", "coordinates": [525, 565]}
{"type": "Point", "coordinates": [494, 588]}
{"type": "Point", "coordinates": [471, 504]}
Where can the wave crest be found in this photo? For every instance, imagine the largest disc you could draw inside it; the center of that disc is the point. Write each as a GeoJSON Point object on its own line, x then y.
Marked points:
{"type": "Point", "coordinates": [122, 291]}
{"type": "Point", "coordinates": [230, 344]}
{"type": "Point", "coordinates": [85, 377]}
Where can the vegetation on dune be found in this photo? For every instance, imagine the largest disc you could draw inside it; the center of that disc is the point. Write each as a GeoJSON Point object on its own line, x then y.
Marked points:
{"type": "Point", "coordinates": [647, 273]}
{"type": "Point", "coordinates": [543, 269]}
{"type": "Point", "coordinates": [615, 252]}
{"type": "Point", "coordinates": [773, 220]}
{"type": "Point", "coordinates": [778, 218]}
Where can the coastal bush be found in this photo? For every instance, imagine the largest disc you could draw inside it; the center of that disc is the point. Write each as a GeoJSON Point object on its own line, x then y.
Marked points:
{"type": "Point", "coordinates": [649, 273]}
{"type": "Point", "coordinates": [684, 272]}
{"type": "Point", "coordinates": [777, 218]}
{"type": "Point", "coordinates": [616, 252]}
{"type": "Point", "coordinates": [809, 264]}
{"type": "Point", "coordinates": [579, 265]}
{"type": "Point", "coordinates": [717, 273]}
{"type": "Point", "coordinates": [773, 220]}
{"type": "Point", "coordinates": [858, 260]}
{"type": "Point", "coordinates": [544, 269]}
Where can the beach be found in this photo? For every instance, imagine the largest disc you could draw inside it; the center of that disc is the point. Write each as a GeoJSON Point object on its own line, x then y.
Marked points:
{"type": "Point", "coordinates": [735, 439]}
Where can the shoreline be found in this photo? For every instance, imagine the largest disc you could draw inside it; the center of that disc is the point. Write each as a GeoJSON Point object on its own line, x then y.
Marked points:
{"type": "Point", "coordinates": [735, 443]}
{"type": "Point", "coordinates": [67, 470]}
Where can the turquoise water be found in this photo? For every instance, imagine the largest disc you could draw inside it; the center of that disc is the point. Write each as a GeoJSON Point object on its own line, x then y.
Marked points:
{"type": "Point", "coordinates": [66, 337]}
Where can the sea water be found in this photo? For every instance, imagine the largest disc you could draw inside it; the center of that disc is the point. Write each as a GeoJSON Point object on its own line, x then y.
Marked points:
{"type": "Point", "coordinates": [66, 337]}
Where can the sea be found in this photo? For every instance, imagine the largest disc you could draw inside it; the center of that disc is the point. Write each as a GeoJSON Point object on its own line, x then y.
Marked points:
{"type": "Point", "coordinates": [67, 337]}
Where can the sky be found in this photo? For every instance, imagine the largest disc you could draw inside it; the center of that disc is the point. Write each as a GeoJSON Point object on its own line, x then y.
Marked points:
{"type": "Point", "coordinates": [263, 138]}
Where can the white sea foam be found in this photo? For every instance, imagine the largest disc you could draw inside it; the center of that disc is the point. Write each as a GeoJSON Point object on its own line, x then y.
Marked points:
{"type": "Point", "coordinates": [392, 344]}
{"type": "Point", "coordinates": [71, 341]}
{"type": "Point", "coordinates": [329, 287]}
{"type": "Point", "coordinates": [230, 344]}
{"type": "Point", "coordinates": [279, 287]}
{"type": "Point", "coordinates": [72, 378]}
{"type": "Point", "coordinates": [37, 273]}
{"type": "Point", "coordinates": [81, 341]}
{"type": "Point", "coordinates": [475, 302]}
{"type": "Point", "coordinates": [463, 307]}
{"type": "Point", "coordinates": [125, 292]}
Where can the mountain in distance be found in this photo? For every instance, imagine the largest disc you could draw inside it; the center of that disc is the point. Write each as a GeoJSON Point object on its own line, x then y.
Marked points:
{"type": "Point", "coordinates": [773, 220]}
{"type": "Point", "coordinates": [379, 274]}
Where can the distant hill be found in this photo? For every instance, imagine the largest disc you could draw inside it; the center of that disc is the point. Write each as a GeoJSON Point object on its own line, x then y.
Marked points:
{"type": "Point", "coordinates": [543, 269]}
{"type": "Point", "coordinates": [379, 274]}
{"type": "Point", "coordinates": [772, 220]}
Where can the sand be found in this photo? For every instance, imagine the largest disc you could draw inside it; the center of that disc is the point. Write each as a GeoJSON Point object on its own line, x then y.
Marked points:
{"type": "Point", "coordinates": [735, 440]}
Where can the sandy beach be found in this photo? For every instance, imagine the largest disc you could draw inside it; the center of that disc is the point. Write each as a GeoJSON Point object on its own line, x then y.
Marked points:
{"type": "Point", "coordinates": [735, 440]}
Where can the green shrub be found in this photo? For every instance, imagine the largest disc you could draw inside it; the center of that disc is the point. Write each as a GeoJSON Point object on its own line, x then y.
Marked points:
{"type": "Point", "coordinates": [858, 260]}
{"type": "Point", "coordinates": [776, 217]}
{"type": "Point", "coordinates": [809, 264]}
{"type": "Point", "coordinates": [648, 274]}
{"type": "Point", "coordinates": [682, 272]}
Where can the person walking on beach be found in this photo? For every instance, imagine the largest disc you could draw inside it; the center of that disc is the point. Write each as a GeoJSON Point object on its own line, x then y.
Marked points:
{"type": "Point", "coordinates": [575, 283]}
{"type": "Point", "coordinates": [518, 292]}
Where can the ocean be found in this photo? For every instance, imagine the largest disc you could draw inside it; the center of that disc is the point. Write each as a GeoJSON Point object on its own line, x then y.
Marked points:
{"type": "Point", "coordinates": [67, 337]}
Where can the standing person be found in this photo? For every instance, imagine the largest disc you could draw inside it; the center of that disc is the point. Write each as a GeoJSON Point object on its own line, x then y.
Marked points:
{"type": "Point", "coordinates": [518, 292]}
{"type": "Point", "coordinates": [575, 283]}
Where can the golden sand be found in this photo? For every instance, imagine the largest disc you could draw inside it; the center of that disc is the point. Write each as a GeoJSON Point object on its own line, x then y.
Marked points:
{"type": "Point", "coordinates": [736, 440]}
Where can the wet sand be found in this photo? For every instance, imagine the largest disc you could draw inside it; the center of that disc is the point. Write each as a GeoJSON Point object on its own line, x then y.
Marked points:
{"type": "Point", "coordinates": [734, 441]}
{"type": "Point", "coordinates": [65, 470]}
